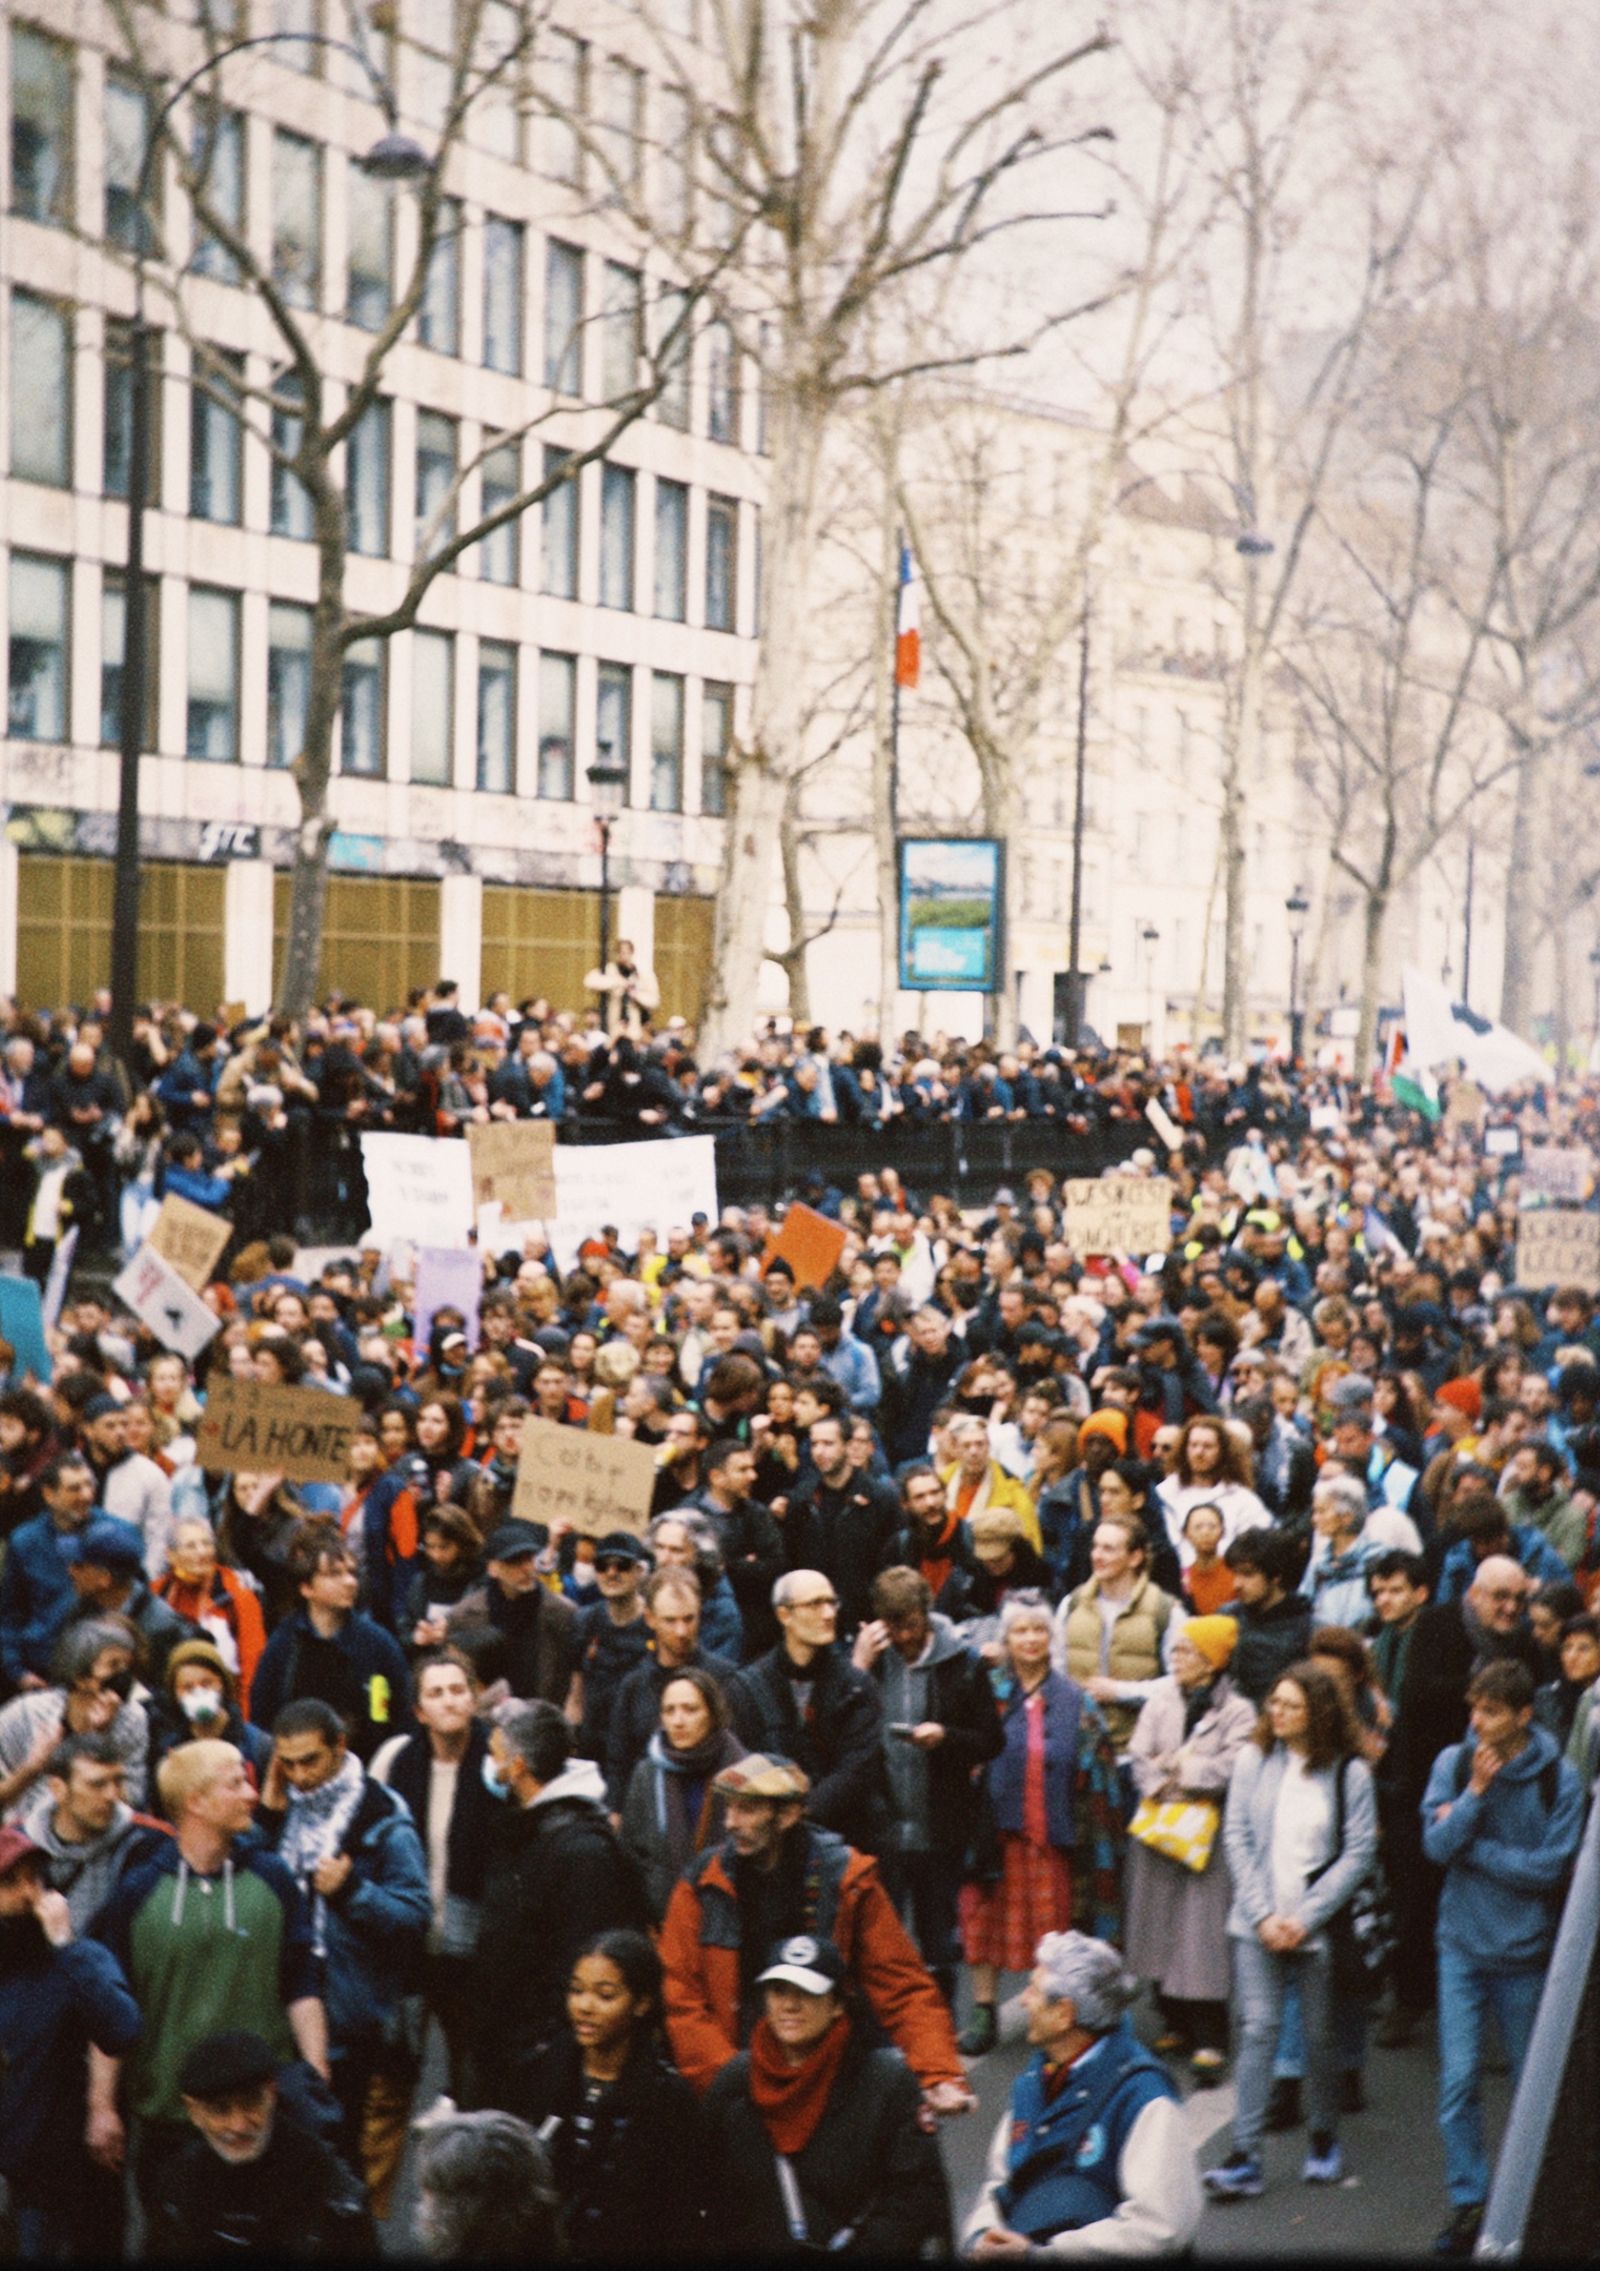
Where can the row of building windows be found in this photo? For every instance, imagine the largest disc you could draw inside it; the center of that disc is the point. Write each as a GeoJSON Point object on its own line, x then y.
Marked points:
{"type": "Point", "coordinates": [41, 451]}
{"type": "Point", "coordinates": [484, 251]}
{"type": "Point", "coordinates": [40, 677]}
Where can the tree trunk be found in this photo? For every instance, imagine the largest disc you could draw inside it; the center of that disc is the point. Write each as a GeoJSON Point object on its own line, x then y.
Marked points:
{"type": "Point", "coordinates": [1559, 942]}
{"type": "Point", "coordinates": [1239, 765]}
{"type": "Point", "coordinates": [998, 774]}
{"type": "Point", "coordinates": [312, 771]}
{"type": "Point", "coordinates": [793, 959]}
{"type": "Point", "coordinates": [1521, 935]}
{"type": "Point", "coordinates": [772, 751]}
{"type": "Point", "coordinates": [1375, 916]}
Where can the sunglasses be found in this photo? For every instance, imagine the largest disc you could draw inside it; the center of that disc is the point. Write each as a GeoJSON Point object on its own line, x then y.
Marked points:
{"type": "Point", "coordinates": [614, 1568]}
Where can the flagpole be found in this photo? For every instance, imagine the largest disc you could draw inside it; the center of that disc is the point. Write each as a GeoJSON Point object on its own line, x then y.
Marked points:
{"type": "Point", "coordinates": [894, 693]}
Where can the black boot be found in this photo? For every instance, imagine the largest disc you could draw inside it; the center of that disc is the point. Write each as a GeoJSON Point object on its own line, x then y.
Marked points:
{"type": "Point", "coordinates": [981, 2032]}
{"type": "Point", "coordinates": [1283, 2106]}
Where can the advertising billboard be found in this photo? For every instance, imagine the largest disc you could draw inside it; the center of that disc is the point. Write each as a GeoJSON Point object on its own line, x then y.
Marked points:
{"type": "Point", "coordinates": [952, 893]}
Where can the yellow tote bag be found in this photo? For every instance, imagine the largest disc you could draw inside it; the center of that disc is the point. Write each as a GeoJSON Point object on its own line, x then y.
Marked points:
{"type": "Point", "coordinates": [1184, 1829]}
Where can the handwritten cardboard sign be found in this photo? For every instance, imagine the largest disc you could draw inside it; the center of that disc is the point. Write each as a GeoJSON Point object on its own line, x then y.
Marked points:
{"type": "Point", "coordinates": [809, 1243]}
{"type": "Point", "coordinates": [166, 1303]}
{"type": "Point", "coordinates": [591, 1483]}
{"type": "Point", "coordinates": [1558, 1245]}
{"type": "Point", "coordinates": [303, 1433]}
{"type": "Point", "coordinates": [1465, 1105]}
{"type": "Point", "coordinates": [1554, 1171]}
{"type": "Point", "coordinates": [1119, 1214]}
{"type": "Point", "coordinates": [514, 1161]}
{"type": "Point", "coordinates": [190, 1237]}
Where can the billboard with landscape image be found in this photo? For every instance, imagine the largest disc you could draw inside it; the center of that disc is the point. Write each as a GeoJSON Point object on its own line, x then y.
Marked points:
{"type": "Point", "coordinates": [951, 891]}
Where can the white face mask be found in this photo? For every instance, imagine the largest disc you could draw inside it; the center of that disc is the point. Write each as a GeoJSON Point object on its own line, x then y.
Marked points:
{"type": "Point", "coordinates": [201, 1702]}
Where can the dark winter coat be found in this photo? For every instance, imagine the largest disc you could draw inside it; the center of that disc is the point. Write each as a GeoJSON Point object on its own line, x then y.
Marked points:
{"type": "Point", "coordinates": [635, 2191]}
{"type": "Point", "coordinates": [837, 1742]}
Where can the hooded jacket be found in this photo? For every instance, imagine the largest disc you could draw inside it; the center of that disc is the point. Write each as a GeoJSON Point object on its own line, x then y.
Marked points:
{"type": "Point", "coordinates": [955, 1691]}
{"type": "Point", "coordinates": [1505, 1852]}
{"type": "Point", "coordinates": [360, 1671]}
{"type": "Point", "coordinates": [556, 1877]}
{"type": "Point", "coordinates": [88, 1874]}
{"type": "Point", "coordinates": [53, 2003]}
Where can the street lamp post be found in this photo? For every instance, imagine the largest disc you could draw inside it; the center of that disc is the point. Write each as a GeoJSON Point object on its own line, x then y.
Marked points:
{"type": "Point", "coordinates": [609, 781]}
{"type": "Point", "coordinates": [1074, 1018]}
{"type": "Point", "coordinates": [1594, 1042]}
{"type": "Point", "coordinates": [394, 157]}
{"type": "Point", "coordinates": [1297, 906]}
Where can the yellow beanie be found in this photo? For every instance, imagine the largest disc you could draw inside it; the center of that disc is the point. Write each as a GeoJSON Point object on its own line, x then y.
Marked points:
{"type": "Point", "coordinates": [1215, 1637]}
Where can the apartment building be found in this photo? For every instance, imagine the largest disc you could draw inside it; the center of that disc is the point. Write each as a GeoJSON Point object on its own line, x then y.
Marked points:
{"type": "Point", "coordinates": [619, 619]}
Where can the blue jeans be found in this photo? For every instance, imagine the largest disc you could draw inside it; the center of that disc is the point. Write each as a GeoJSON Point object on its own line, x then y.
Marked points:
{"type": "Point", "coordinates": [1466, 1991]}
{"type": "Point", "coordinates": [1349, 2037]}
{"type": "Point", "coordinates": [1261, 1983]}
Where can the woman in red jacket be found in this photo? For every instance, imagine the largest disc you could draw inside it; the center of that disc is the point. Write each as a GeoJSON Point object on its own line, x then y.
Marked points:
{"type": "Point", "coordinates": [222, 1602]}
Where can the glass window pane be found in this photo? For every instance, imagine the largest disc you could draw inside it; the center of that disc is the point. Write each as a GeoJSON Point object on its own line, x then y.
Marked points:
{"type": "Point", "coordinates": [674, 160]}
{"type": "Point", "coordinates": [367, 482]}
{"type": "Point", "coordinates": [213, 717]}
{"type": "Point", "coordinates": [432, 84]}
{"type": "Point", "coordinates": [369, 214]}
{"type": "Point", "coordinates": [716, 738]}
{"type": "Point", "coordinates": [439, 317]}
{"type": "Point", "coordinates": [672, 403]}
{"type": "Point", "coordinates": [113, 655]}
{"type": "Point", "coordinates": [493, 118]}
{"type": "Point", "coordinates": [432, 707]}
{"type": "Point", "coordinates": [672, 551]}
{"type": "Point", "coordinates": [499, 555]}
{"type": "Point", "coordinates": [722, 562]}
{"type": "Point", "coordinates": [288, 681]}
{"type": "Point", "coordinates": [216, 439]}
{"type": "Point", "coordinates": [619, 119]}
{"type": "Point", "coordinates": [41, 126]}
{"type": "Point", "coordinates": [436, 473]}
{"type": "Point", "coordinates": [502, 295]}
{"type": "Point", "coordinates": [558, 706]}
{"type": "Point", "coordinates": [617, 486]}
{"type": "Point", "coordinates": [613, 718]}
{"type": "Point", "coordinates": [361, 710]}
{"type": "Point", "coordinates": [558, 70]}
{"type": "Point", "coordinates": [563, 317]}
{"type": "Point", "coordinates": [36, 704]}
{"type": "Point", "coordinates": [497, 717]}
{"type": "Point", "coordinates": [722, 385]}
{"type": "Point", "coordinates": [127, 124]}
{"type": "Point", "coordinates": [291, 504]}
{"type": "Point", "coordinates": [297, 218]}
{"type": "Point", "coordinates": [622, 334]}
{"type": "Point", "coordinates": [666, 742]}
{"type": "Point", "coordinates": [117, 438]}
{"type": "Point", "coordinates": [41, 391]}
{"type": "Point", "coordinates": [219, 162]}
{"type": "Point", "coordinates": [559, 516]}
{"type": "Point", "coordinates": [297, 16]}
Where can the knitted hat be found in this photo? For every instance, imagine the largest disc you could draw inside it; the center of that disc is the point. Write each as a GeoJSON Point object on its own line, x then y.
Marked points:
{"type": "Point", "coordinates": [1111, 1423]}
{"type": "Point", "coordinates": [1214, 1637]}
{"type": "Point", "coordinates": [199, 1652]}
{"type": "Point", "coordinates": [1465, 1396]}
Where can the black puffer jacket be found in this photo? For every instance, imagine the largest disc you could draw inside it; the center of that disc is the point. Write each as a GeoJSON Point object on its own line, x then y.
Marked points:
{"type": "Point", "coordinates": [634, 2191]}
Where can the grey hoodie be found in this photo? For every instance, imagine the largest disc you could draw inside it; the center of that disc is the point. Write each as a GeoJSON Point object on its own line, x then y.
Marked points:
{"type": "Point", "coordinates": [88, 1873]}
{"type": "Point", "coordinates": [904, 1691]}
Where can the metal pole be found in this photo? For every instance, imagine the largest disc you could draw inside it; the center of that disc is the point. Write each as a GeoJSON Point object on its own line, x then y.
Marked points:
{"type": "Point", "coordinates": [1466, 930]}
{"type": "Point", "coordinates": [1297, 1021]}
{"type": "Point", "coordinates": [605, 891]}
{"type": "Point", "coordinates": [125, 902]}
{"type": "Point", "coordinates": [1080, 764]}
{"type": "Point", "coordinates": [894, 691]}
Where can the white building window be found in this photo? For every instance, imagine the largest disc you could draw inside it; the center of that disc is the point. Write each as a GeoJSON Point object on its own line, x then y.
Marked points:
{"type": "Point", "coordinates": [291, 501]}
{"type": "Point", "coordinates": [716, 740]}
{"type": "Point", "coordinates": [672, 551]}
{"type": "Point", "coordinates": [563, 317]}
{"type": "Point", "coordinates": [500, 554]}
{"type": "Point", "coordinates": [497, 717]}
{"type": "Point", "coordinates": [369, 224]}
{"type": "Point", "coordinates": [219, 161]}
{"type": "Point", "coordinates": [722, 563]}
{"type": "Point", "coordinates": [439, 316]}
{"type": "Point", "coordinates": [558, 710]}
{"type": "Point", "coordinates": [212, 732]}
{"type": "Point", "coordinates": [433, 695]}
{"type": "Point", "coordinates": [502, 295]}
{"type": "Point", "coordinates": [666, 742]}
{"type": "Point", "coordinates": [361, 710]}
{"type": "Point", "coordinates": [41, 127]}
{"type": "Point", "coordinates": [613, 718]}
{"type": "Point", "coordinates": [36, 701]}
{"type": "Point", "coordinates": [367, 455]}
{"type": "Point", "coordinates": [622, 331]}
{"type": "Point", "coordinates": [559, 531]}
{"type": "Point", "coordinates": [437, 442]}
{"type": "Point", "coordinates": [559, 70]}
{"type": "Point", "coordinates": [618, 487]}
{"type": "Point", "coordinates": [288, 681]}
{"type": "Point", "coordinates": [216, 438]}
{"type": "Point", "coordinates": [41, 390]}
{"type": "Point", "coordinates": [113, 656]}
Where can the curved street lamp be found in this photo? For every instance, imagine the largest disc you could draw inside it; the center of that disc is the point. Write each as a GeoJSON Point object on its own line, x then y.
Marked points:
{"type": "Point", "coordinates": [608, 781]}
{"type": "Point", "coordinates": [394, 157]}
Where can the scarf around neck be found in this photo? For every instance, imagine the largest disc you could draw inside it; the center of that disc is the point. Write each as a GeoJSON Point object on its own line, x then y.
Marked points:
{"type": "Point", "coordinates": [791, 2100]}
{"type": "Point", "coordinates": [317, 1819]}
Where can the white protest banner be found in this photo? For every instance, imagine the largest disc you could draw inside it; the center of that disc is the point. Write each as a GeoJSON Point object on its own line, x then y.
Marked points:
{"type": "Point", "coordinates": [1326, 1119]}
{"type": "Point", "coordinates": [419, 1187]}
{"type": "Point", "coordinates": [159, 1298]}
{"type": "Point", "coordinates": [1555, 1172]}
{"type": "Point", "coordinates": [303, 1433]}
{"type": "Point", "coordinates": [55, 1285]}
{"type": "Point", "coordinates": [590, 1483]}
{"type": "Point", "coordinates": [190, 1237]}
{"type": "Point", "coordinates": [1502, 1143]}
{"type": "Point", "coordinates": [1165, 1125]}
{"type": "Point", "coordinates": [1558, 1245]}
{"type": "Point", "coordinates": [636, 1186]}
{"type": "Point", "coordinates": [447, 1277]}
{"type": "Point", "coordinates": [512, 1161]}
{"type": "Point", "coordinates": [1119, 1214]}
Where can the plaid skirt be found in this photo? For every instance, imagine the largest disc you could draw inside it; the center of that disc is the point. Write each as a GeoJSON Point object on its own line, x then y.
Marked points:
{"type": "Point", "coordinates": [1003, 1923]}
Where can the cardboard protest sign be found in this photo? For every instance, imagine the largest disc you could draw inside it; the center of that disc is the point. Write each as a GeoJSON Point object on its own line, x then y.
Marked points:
{"type": "Point", "coordinates": [1464, 1106]}
{"type": "Point", "coordinates": [447, 1277]}
{"type": "Point", "coordinates": [592, 1483]}
{"type": "Point", "coordinates": [190, 1237]}
{"type": "Point", "coordinates": [809, 1243]}
{"type": "Point", "coordinates": [418, 1187]}
{"type": "Point", "coordinates": [1552, 1171]}
{"type": "Point", "coordinates": [1165, 1125]}
{"type": "Point", "coordinates": [303, 1433]}
{"type": "Point", "coordinates": [514, 1161]}
{"type": "Point", "coordinates": [1558, 1245]}
{"type": "Point", "coordinates": [22, 1324]}
{"type": "Point", "coordinates": [1119, 1214]}
{"type": "Point", "coordinates": [164, 1302]}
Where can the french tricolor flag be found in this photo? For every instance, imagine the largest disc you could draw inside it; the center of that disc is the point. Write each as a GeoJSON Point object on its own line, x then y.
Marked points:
{"type": "Point", "coordinates": [908, 625]}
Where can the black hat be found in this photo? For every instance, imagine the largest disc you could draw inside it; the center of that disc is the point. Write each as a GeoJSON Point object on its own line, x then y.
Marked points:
{"type": "Point", "coordinates": [222, 2063]}
{"type": "Point", "coordinates": [619, 1545]}
{"type": "Point", "coordinates": [100, 1407]}
{"type": "Point", "coordinates": [814, 1966]}
{"type": "Point", "coordinates": [107, 1543]}
{"type": "Point", "coordinates": [514, 1539]}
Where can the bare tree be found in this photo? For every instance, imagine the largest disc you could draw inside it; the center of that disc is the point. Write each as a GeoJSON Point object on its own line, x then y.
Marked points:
{"type": "Point", "coordinates": [307, 418]}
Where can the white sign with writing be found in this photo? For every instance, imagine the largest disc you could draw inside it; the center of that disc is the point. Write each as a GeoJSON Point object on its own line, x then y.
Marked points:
{"type": "Point", "coordinates": [158, 1297]}
{"type": "Point", "coordinates": [447, 1277]}
{"type": "Point", "coordinates": [1119, 1214]}
{"type": "Point", "coordinates": [419, 1187]}
{"type": "Point", "coordinates": [1558, 1245]}
{"type": "Point", "coordinates": [1557, 1171]}
{"type": "Point", "coordinates": [635, 1186]}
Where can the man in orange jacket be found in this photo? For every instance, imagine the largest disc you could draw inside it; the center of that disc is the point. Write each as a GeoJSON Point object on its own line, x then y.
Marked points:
{"type": "Point", "coordinates": [772, 1875]}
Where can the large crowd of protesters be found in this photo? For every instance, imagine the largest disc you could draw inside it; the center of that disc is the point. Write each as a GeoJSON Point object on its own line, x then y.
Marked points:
{"type": "Point", "coordinates": [1202, 1641]}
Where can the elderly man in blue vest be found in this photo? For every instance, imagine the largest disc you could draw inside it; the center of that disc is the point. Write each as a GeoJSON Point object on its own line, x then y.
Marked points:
{"type": "Point", "coordinates": [1091, 2160]}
